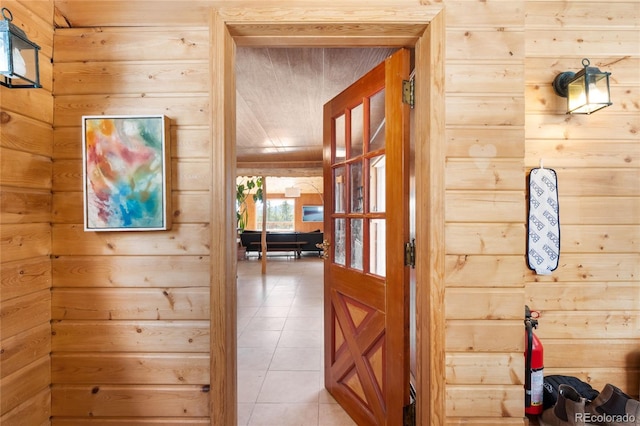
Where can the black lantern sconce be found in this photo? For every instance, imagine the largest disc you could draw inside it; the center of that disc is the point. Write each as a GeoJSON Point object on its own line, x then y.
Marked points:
{"type": "Point", "coordinates": [586, 91]}
{"type": "Point", "coordinates": [18, 56]}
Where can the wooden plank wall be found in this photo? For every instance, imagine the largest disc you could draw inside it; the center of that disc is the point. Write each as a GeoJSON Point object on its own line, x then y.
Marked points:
{"type": "Point", "coordinates": [590, 306]}
{"type": "Point", "coordinates": [26, 117]}
{"type": "Point", "coordinates": [130, 310]}
{"type": "Point", "coordinates": [484, 211]}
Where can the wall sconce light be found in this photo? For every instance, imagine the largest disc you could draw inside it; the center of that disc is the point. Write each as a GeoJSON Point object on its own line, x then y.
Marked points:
{"type": "Point", "coordinates": [586, 91]}
{"type": "Point", "coordinates": [18, 56]}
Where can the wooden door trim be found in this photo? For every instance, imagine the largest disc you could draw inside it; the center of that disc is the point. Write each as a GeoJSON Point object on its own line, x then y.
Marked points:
{"type": "Point", "coordinates": [421, 27]}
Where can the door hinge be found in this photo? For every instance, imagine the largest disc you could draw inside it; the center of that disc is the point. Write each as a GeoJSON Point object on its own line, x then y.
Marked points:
{"type": "Point", "coordinates": [410, 253]}
{"type": "Point", "coordinates": [408, 92]}
{"type": "Point", "coordinates": [409, 411]}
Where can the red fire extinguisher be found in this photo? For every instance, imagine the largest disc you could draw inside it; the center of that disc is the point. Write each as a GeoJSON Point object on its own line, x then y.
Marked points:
{"type": "Point", "coordinates": [534, 366]}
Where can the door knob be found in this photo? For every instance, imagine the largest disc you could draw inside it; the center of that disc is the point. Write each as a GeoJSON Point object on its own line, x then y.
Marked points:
{"type": "Point", "coordinates": [324, 245]}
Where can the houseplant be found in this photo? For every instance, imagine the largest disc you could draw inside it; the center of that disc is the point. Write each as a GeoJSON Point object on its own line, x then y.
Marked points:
{"type": "Point", "coordinates": [245, 187]}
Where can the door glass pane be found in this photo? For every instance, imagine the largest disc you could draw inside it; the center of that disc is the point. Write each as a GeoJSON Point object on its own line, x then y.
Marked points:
{"type": "Point", "coordinates": [339, 193]}
{"type": "Point", "coordinates": [377, 184]}
{"type": "Point", "coordinates": [357, 128]}
{"type": "Point", "coordinates": [357, 244]}
{"type": "Point", "coordinates": [341, 147]}
{"type": "Point", "coordinates": [377, 236]}
{"type": "Point", "coordinates": [339, 247]}
{"type": "Point", "coordinates": [357, 191]}
{"type": "Point", "coordinates": [377, 121]}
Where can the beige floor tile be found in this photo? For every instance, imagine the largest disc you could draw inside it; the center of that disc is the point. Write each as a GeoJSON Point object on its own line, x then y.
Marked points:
{"type": "Point", "coordinates": [284, 415]}
{"type": "Point", "coordinates": [333, 415]}
{"type": "Point", "coordinates": [249, 384]}
{"type": "Point", "coordinates": [288, 359]}
{"type": "Point", "coordinates": [290, 387]}
{"type": "Point", "coordinates": [280, 345]}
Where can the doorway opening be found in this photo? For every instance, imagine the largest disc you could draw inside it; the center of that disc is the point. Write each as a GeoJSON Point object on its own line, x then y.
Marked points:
{"type": "Point", "coordinates": [279, 111]}
{"type": "Point", "coordinates": [421, 27]}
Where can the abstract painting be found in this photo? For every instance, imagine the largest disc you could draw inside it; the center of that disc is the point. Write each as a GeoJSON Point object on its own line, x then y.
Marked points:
{"type": "Point", "coordinates": [125, 171]}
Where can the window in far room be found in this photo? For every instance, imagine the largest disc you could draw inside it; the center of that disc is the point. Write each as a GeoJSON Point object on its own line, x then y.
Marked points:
{"type": "Point", "coordinates": [280, 214]}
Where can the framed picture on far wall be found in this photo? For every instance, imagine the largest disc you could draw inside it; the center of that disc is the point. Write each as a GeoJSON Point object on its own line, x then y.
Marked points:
{"type": "Point", "coordinates": [312, 214]}
{"type": "Point", "coordinates": [126, 173]}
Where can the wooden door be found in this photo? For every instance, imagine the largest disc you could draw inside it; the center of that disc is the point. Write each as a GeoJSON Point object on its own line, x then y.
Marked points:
{"type": "Point", "coordinates": [366, 160]}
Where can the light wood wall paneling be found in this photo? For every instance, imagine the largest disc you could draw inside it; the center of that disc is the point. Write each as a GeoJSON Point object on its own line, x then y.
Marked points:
{"type": "Point", "coordinates": [125, 401]}
{"type": "Point", "coordinates": [604, 182]}
{"type": "Point", "coordinates": [130, 303]}
{"type": "Point", "coordinates": [25, 241]}
{"type": "Point", "coordinates": [591, 210]}
{"type": "Point", "coordinates": [610, 41]}
{"type": "Point", "coordinates": [484, 77]}
{"type": "Point", "coordinates": [181, 240]}
{"type": "Point", "coordinates": [130, 368]}
{"type": "Point", "coordinates": [613, 324]}
{"type": "Point", "coordinates": [577, 14]}
{"type": "Point", "coordinates": [24, 170]}
{"type": "Point", "coordinates": [487, 109]}
{"type": "Point", "coordinates": [597, 296]}
{"type": "Point", "coordinates": [24, 276]}
{"type": "Point", "coordinates": [594, 126]}
{"type": "Point", "coordinates": [593, 267]}
{"type": "Point", "coordinates": [484, 206]}
{"type": "Point", "coordinates": [22, 206]}
{"type": "Point", "coordinates": [482, 14]}
{"type": "Point", "coordinates": [40, 102]}
{"type": "Point", "coordinates": [123, 44]}
{"type": "Point", "coordinates": [23, 133]}
{"type": "Point", "coordinates": [600, 238]}
{"type": "Point", "coordinates": [592, 351]}
{"type": "Point", "coordinates": [488, 368]}
{"type": "Point", "coordinates": [21, 349]}
{"type": "Point", "coordinates": [496, 44]}
{"type": "Point", "coordinates": [468, 270]}
{"type": "Point", "coordinates": [22, 313]}
{"type": "Point", "coordinates": [481, 143]}
{"type": "Point", "coordinates": [488, 304]}
{"type": "Point", "coordinates": [482, 335]}
{"type": "Point", "coordinates": [483, 173]}
{"type": "Point", "coordinates": [130, 271]}
{"type": "Point", "coordinates": [88, 78]}
{"type": "Point", "coordinates": [33, 411]}
{"type": "Point", "coordinates": [188, 109]}
{"type": "Point", "coordinates": [25, 383]}
{"type": "Point", "coordinates": [585, 153]}
{"type": "Point", "coordinates": [490, 238]}
{"type": "Point", "coordinates": [486, 401]}
{"type": "Point", "coordinates": [130, 336]}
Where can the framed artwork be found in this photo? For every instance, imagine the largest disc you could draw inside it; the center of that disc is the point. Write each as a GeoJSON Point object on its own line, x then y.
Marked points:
{"type": "Point", "coordinates": [312, 214]}
{"type": "Point", "coordinates": [126, 173]}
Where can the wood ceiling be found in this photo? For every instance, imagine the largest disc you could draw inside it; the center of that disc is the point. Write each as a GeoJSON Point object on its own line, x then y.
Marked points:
{"type": "Point", "coordinates": [280, 96]}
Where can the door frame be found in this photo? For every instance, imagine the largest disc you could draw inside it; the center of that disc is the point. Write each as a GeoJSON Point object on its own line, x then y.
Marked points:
{"type": "Point", "coordinates": [419, 27]}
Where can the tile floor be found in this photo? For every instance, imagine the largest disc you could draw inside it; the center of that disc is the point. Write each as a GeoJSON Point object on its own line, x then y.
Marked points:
{"type": "Point", "coordinates": [280, 345]}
